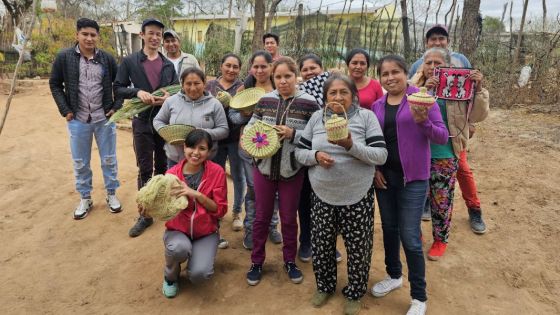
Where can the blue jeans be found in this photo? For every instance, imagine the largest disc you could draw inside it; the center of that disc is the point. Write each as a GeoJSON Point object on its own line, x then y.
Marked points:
{"type": "Point", "coordinates": [81, 136]}
{"type": "Point", "coordinates": [231, 150]}
{"type": "Point", "coordinates": [247, 164]}
{"type": "Point", "coordinates": [401, 208]}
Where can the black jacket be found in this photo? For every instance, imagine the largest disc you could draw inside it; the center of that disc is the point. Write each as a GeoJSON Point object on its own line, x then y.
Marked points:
{"type": "Point", "coordinates": [132, 71]}
{"type": "Point", "coordinates": [65, 77]}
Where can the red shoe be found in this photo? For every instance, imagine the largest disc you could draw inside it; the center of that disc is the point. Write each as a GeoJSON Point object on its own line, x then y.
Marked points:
{"type": "Point", "coordinates": [437, 250]}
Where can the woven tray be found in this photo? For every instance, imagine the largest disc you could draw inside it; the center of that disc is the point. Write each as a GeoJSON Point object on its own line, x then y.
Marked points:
{"type": "Point", "coordinates": [261, 140]}
{"type": "Point", "coordinates": [175, 134]}
{"type": "Point", "coordinates": [247, 99]}
{"type": "Point", "coordinates": [156, 198]}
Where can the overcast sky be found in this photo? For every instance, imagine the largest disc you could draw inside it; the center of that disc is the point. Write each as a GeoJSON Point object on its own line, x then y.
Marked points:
{"type": "Point", "coordinates": [487, 7]}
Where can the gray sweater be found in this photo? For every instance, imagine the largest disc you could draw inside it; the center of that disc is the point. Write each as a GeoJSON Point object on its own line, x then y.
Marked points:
{"type": "Point", "coordinates": [204, 113]}
{"type": "Point", "coordinates": [347, 181]}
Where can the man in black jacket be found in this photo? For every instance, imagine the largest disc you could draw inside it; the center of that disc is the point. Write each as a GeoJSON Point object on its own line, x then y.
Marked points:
{"type": "Point", "coordinates": [82, 86]}
{"type": "Point", "coordinates": [147, 70]}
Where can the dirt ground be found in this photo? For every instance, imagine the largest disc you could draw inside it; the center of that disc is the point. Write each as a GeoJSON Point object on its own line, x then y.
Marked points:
{"type": "Point", "coordinates": [52, 264]}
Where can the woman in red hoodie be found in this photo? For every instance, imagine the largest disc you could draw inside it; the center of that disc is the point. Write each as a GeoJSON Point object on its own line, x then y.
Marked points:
{"type": "Point", "coordinates": [192, 234]}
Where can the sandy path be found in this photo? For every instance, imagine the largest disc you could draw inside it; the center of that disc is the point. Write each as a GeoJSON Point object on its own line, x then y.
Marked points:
{"type": "Point", "coordinates": [52, 264]}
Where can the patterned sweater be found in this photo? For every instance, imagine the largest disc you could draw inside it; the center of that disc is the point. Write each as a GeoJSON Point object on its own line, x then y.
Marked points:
{"type": "Point", "coordinates": [293, 112]}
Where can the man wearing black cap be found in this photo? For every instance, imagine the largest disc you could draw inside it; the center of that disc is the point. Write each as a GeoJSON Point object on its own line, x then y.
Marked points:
{"type": "Point", "coordinates": [438, 36]}
{"type": "Point", "coordinates": [147, 70]}
{"type": "Point", "coordinates": [172, 47]}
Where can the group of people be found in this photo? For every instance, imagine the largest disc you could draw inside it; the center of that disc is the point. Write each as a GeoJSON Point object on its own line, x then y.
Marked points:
{"type": "Point", "coordinates": [408, 156]}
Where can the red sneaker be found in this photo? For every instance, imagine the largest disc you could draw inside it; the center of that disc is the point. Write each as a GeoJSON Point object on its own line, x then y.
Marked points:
{"type": "Point", "coordinates": [437, 250]}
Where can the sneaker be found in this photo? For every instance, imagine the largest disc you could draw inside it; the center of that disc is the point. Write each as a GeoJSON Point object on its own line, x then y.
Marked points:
{"type": "Point", "coordinates": [140, 225]}
{"type": "Point", "coordinates": [237, 224]}
{"type": "Point", "coordinates": [417, 308]}
{"type": "Point", "coordinates": [352, 307]}
{"type": "Point", "coordinates": [274, 236]}
{"type": "Point", "coordinates": [320, 298]}
{"type": "Point", "coordinates": [248, 240]}
{"type": "Point", "coordinates": [223, 243]}
{"type": "Point", "coordinates": [169, 290]}
{"type": "Point", "coordinates": [293, 272]}
{"type": "Point", "coordinates": [385, 286]}
{"type": "Point", "coordinates": [254, 274]}
{"type": "Point", "coordinates": [437, 250]}
{"type": "Point", "coordinates": [304, 253]}
{"type": "Point", "coordinates": [83, 208]}
{"type": "Point", "coordinates": [426, 214]}
{"type": "Point", "coordinates": [113, 203]}
{"type": "Point", "coordinates": [477, 224]}
{"type": "Point", "coordinates": [338, 256]}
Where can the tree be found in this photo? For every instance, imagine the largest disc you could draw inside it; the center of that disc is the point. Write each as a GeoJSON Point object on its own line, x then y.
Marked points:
{"type": "Point", "coordinates": [163, 10]}
{"type": "Point", "coordinates": [470, 28]}
{"type": "Point", "coordinates": [520, 35]}
{"type": "Point", "coordinates": [406, 33]}
{"type": "Point", "coordinates": [271, 13]}
{"type": "Point", "coordinates": [493, 25]}
{"type": "Point", "coordinates": [16, 9]}
{"type": "Point", "coordinates": [258, 25]}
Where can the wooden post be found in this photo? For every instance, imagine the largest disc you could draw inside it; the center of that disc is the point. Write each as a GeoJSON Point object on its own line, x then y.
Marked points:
{"type": "Point", "coordinates": [520, 35]}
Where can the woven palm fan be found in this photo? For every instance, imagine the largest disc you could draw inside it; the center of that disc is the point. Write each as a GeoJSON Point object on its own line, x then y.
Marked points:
{"type": "Point", "coordinates": [247, 99]}
{"type": "Point", "coordinates": [175, 134]}
{"type": "Point", "coordinates": [421, 99]}
{"type": "Point", "coordinates": [261, 140]}
{"type": "Point", "coordinates": [156, 198]}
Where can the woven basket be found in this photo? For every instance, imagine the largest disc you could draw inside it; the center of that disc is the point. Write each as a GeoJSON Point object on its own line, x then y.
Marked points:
{"type": "Point", "coordinates": [336, 127]}
{"type": "Point", "coordinates": [421, 99]}
{"type": "Point", "coordinates": [175, 134]}
{"type": "Point", "coordinates": [224, 98]}
{"type": "Point", "coordinates": [247, 99]}
{"type": "Point", "coordinates": [156, 198]}
{"type": "Point", "coordinates": [261, 140]}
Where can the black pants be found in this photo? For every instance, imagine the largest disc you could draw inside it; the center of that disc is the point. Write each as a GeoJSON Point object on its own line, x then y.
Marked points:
{"type": "Point", "coordinates": [304, 212]}
{"type": "Point", "coordinates": [148, 147]}
{"type": "Point", "coordinates": [355, 224]}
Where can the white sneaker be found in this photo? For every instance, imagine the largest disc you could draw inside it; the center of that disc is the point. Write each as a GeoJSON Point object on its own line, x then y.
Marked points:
{"type": "Point", "coordinates": [417, 308]}
{"type": "Point", "coordinates": [237, 224]}
{"type": "Point", "coordinates": [113, 203]}
{"type": "Point", "coordinates": [83, 209]}
{"type": "Point", "coordinates": [385, 286]}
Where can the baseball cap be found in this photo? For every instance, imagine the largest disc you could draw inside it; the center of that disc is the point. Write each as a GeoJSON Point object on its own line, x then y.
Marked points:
{"type": "Point", "coordinates": [152, 21]}
{"type": "Point", "coordinates": [171, 33]}
{"type": "Point", "coordinates": [439, 28]}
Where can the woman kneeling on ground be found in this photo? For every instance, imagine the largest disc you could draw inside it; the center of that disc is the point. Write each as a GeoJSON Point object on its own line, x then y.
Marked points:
{"type": "Point", "coordinates": [401, 184]}
{"type": "Point", "coordinates": [193, 233]}
{"type": "Point", "coordinates": [289, 110]}
{"type": "Point", "coordinates": [342, 200]}
{"type": "Point", "coordinates": [444, 162]}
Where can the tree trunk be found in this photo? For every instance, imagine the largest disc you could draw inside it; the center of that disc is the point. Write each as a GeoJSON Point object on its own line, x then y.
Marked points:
{"type": "Point", "coordinates": [510, 29]}
{"type": "Point", "coordinates": [271, 14]}
{"type": "Point", "coordinates": [469, 28]}
{"type": "Point", "coordinates": [258, 25]}
{"type": "Point", "coordinates": [543, 16]}
{"type": "Point", "coordinates": [406, 33]}
{"type": "Point", "coordinates": [438, 8]}
{"type": "Point", "coordinates": [415, 37]}
{"type": "Point", "coordinates": [299, 28]}
{"type": "Point", "coordinates": [453, 9]}
{"type": "Point", "coordinates": [424, 27]}
{"type": "Point", "coordinates": [240, 25]}
{"type": "Point", "coordinates": [520, 35]}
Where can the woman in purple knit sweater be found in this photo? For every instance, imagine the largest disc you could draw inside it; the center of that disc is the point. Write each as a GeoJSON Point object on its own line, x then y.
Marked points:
{"type": "Point", "coordinates": [401, 183]}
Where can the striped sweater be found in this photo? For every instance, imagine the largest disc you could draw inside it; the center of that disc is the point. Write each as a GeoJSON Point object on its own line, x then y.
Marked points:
{"type": "Point", "coordinates": [293, 112]}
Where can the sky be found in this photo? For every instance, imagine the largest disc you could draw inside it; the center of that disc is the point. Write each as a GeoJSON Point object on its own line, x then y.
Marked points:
{"type": "Point", "coordinates": [487, 7]}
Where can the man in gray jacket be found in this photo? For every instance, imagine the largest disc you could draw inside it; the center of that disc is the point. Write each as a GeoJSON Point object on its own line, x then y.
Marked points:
{"type": "Point", "coordinates": [172, 46]}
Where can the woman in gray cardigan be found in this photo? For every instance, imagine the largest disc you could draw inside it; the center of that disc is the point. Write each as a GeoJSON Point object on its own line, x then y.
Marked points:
{"type": "Point", "coordinates": [192, 106]}
{"type": "Point", "coordinates": [341, 175]}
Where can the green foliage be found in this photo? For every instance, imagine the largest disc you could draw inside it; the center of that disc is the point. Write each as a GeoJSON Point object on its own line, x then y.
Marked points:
{"type": "Point", "coordinates": [492, 24]}
{"type": "Point", "coordinates": [219, 41]}
{"type": "Point", "coordinates": [163, 10]}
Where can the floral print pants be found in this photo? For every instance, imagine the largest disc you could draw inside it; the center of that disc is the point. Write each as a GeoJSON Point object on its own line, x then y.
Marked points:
{"type": "Point", "coordinates": [355, 224]}
{"type": "Point", "coordinates": [443, 175]}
